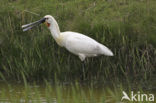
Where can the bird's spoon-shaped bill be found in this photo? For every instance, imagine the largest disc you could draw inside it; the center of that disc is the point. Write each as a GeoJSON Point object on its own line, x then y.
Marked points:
{"type": "Point", "coordinates": [31, 25]}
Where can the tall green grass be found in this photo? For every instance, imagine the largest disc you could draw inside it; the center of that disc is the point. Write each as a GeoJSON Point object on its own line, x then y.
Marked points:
{"type": "Point", "coordinates": [127, 27]}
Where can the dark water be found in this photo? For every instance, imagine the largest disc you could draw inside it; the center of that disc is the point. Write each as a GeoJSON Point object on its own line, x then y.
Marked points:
{"type": "Point", "coordinates": [19, 93]}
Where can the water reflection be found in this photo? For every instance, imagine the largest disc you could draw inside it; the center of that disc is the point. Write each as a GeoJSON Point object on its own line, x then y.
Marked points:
{"type": "Point", "coordinates": [47, 94]}
{"type": "Point", "coordinates": [18, 93]}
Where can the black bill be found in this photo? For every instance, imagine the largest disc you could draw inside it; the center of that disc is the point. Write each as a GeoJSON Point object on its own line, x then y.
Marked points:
{"type": "Point", "coordinates": [31, 25]}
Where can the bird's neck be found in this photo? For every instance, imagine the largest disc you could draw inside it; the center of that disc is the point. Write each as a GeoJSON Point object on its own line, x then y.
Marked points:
{"type": "Point", "coordinates": [54, 29]}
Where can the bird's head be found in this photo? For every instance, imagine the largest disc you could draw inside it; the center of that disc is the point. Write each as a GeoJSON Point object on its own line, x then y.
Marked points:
{"type": "Point", "coordinates": [48, 20]}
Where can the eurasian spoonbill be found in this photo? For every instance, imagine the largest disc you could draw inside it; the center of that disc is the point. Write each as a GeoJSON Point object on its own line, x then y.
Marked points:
{"type": "Point", "coordinates": [77, 43]}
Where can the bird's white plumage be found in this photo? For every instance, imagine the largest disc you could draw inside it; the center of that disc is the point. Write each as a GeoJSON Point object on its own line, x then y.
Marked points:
{"type": "Point", "coordinates": [82, 45]}
{"type": "Point", "coordinates": [77, 43]}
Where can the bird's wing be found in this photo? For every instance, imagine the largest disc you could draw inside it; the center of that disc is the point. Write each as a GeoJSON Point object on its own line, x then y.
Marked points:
{"type": "Point", "coordinates": [79, 43]}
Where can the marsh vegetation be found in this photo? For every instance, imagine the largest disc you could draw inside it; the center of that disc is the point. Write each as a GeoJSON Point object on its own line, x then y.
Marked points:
{"type": "Point", "coordinates": [127, 27]}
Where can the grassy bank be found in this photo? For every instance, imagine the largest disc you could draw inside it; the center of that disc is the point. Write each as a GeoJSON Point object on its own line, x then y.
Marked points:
{"type": "Point", "coordinates": [127, 27]}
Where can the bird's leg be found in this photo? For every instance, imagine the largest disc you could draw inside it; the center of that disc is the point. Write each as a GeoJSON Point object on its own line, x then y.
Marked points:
{"type": "Point", "coordinates": [82, 58]}
{"type": "Point", "coordinates": [84, 70]}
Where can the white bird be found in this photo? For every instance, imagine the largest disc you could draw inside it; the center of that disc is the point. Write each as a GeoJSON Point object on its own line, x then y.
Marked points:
{"type": "Point", "coordinates": [76, 43]}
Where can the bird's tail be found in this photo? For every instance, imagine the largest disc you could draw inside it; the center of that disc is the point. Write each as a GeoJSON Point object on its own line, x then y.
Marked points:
{"type": "Point", "coordinates": [106, 51]}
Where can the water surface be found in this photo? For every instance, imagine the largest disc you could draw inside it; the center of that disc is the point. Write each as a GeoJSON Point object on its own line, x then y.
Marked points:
{"type": "Point", "coordinates": [17, 92]}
